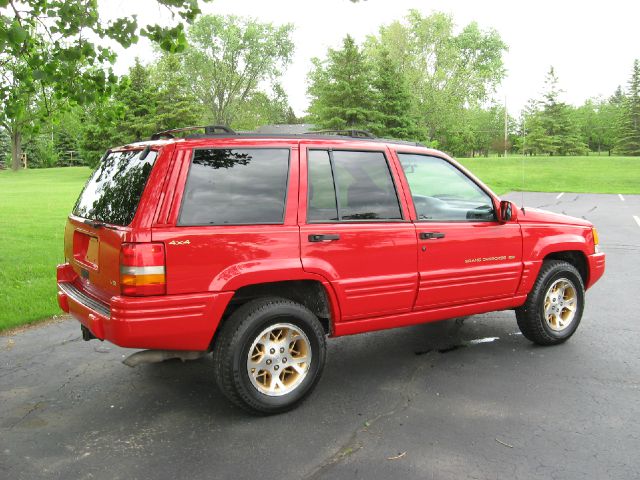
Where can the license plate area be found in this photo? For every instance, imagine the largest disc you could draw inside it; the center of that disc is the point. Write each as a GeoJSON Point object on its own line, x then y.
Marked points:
{"type": "Point", "coordinates": [86, 249]}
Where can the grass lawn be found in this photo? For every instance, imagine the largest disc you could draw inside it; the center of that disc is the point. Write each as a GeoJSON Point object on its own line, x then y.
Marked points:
{"type": "Point", "coordinates": [34, 205]}
{"type": "Point", "coordinates": [594, 174]}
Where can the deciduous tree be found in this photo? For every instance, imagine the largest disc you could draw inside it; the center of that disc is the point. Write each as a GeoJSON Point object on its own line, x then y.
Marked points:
{"type": "Point", "coordinates": [53, 45]}
{"type": "Point", "coordinates": [264, 109]}
{"type": "Point", "coordinates": [598, 120]}
{"type": "Point", "coordinates": [230, 58]}
{"type": "Point", "coordinates": [445, 70]}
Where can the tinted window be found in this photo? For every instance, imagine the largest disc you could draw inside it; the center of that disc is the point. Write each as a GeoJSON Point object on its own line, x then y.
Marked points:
{"type": "Point", "coordinates": [114, 189]}
{"type": "Point", "coordinates": [365, 190]}
{"type": "Point", "coordinates": [322, 195]}
{"type": "Point", "coordinates": [442, 192]}
{"type": "Point", "coordinates": [227, 187]}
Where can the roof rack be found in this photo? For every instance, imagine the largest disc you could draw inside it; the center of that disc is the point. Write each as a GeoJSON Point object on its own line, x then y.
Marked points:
{"type": "Point", "coordinates": [221, 131]}
{"type": "Point", "coordinates": [208, 130]}
{"type": "Point", "coordinates": [344, 133]}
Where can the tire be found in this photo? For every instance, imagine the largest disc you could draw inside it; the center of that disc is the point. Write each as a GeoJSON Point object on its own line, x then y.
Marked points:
{"type": "Point", "coordinates": [269, 355]}
{"type": "Point", "coordinates": [554, 306]}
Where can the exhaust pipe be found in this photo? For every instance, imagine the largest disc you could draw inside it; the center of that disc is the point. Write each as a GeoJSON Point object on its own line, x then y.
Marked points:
{"type": "Point", "coordinates": [157, 356]}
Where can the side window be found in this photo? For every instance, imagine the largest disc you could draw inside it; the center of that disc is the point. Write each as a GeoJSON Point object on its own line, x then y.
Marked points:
{"type": "Point", "coordinates": [235, 187]}
{"type": "Point", "coordinates": [349, 185]}
{"type": "Point", "coordinates": [442, 192]}
{"type": "Point", "coordinates": [322, 195]}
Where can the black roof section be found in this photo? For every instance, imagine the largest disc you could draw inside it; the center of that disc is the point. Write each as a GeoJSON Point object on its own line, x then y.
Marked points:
{"type": "Point", "coordinates": [222, 131]}
{"type": "Point", "coordinates": [208, 130]}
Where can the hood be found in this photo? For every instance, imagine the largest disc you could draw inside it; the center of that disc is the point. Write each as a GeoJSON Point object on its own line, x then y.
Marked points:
{"type": "Point", "coordinates": [535, 215]}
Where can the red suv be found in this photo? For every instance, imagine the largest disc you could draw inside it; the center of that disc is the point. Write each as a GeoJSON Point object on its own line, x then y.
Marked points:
{"type": "Point", "coordinates": [258, 247]}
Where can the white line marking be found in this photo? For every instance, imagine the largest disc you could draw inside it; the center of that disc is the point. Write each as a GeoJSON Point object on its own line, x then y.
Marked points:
{"type": "Point", "coordinates": [621, 197]}
{"type": "Point", "coordinates": [637, 219]}
{"type": "Point", "coordinates": [559, 195]}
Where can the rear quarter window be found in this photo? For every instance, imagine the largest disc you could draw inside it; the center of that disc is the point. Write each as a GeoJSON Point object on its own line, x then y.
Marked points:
{"type": "Point", "coordinates": [235, 187]}
{"type": "Point", "coordinates": [113, 191]}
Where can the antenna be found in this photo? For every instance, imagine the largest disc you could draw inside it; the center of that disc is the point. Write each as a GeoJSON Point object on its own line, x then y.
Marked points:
{"type": "Point", "coordinates": [524, 154]}
{"type": "Point", "coordinates": [506, 118]}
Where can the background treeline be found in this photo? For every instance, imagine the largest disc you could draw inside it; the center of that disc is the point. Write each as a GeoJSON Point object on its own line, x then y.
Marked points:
{"type": "Point", "coordinates": [421, 79]}
{"type": "Point", "coordinates": [418, 79]}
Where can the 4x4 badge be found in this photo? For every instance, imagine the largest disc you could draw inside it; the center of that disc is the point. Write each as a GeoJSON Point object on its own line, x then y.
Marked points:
{"type": "Point", "coordinates": [179, 242]}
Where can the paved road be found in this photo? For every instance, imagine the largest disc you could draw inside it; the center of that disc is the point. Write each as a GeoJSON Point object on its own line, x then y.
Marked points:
{"type": "Point", "coordinates": [420, 402]}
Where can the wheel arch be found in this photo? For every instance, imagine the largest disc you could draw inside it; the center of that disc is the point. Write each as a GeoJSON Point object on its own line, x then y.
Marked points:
{"type": "Point", "coordinates": [576, 258]}
{"type": "Point", "coordinates": [541, 318]}
{"type": "Point", "coordinates": [316, 294]}
{"type": "Point", "coordinates": [532, 268]}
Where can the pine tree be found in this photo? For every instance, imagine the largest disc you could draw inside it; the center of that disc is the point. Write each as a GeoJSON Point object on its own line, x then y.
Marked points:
{"type": "Point", "coordinates": [629, 134]}
{"type": "Point", "coordinates": [139, 98]}
{"type": "Point", "coordinates": [618, 97]}
{"type": "Point", "coordinates": [555, 127]}
{"type": "Point", "coordinates": [176, 105]}
{"type": "Point", "coordinates": [99, 130]}
{"type": "Point", "coordinates": [340, 89]}
{"type": "Point", "coordinates": [393, 100]}
{"type": "Point", "coordinates": [535, 138]}
{"type": "Point", "coordinates": [128, 116]}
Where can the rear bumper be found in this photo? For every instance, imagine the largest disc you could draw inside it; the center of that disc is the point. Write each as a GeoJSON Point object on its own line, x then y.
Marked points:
{"type": "Point", "coordinates": [596, 268]}
{"type": "Point", "coordinates": [169, 322]}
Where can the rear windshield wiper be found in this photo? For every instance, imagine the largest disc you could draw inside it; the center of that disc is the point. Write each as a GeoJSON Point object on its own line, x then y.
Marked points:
{"type": "Point", "coordinates": [98, 224]}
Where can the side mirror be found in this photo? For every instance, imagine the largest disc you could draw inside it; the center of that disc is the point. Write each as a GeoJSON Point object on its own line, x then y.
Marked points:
{"type": "Point", "coordinates": [508, 212]}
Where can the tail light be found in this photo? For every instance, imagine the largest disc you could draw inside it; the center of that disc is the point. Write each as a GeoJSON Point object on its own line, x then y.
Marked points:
{"type": "Point", "coordinates": [142, 270]}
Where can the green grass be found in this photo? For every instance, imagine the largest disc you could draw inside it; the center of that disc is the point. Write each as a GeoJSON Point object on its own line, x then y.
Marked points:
{"type": "Point", "coordinates": [593, 174]}
{"type": "Point", "coordinates": [34, 205]}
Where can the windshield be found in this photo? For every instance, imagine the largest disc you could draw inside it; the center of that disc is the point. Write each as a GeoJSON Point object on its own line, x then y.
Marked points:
{"type": "Point", "coordinates": [112, 193]}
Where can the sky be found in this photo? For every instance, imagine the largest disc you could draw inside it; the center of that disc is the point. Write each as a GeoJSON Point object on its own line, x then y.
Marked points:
{"type": "Point", "coordinates": [591, 44]}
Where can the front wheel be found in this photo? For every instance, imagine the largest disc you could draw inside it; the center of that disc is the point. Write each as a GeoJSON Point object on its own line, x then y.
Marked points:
{"type": "Point", "coordinates": [553, 309]}
{"type": "Point", "coordinates": [269, 355]}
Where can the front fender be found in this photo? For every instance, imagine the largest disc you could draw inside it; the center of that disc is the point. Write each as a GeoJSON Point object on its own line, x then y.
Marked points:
{"type": "Point", "coordinates": [558, 243]}
{"type": "Point", "coordinates": [541, 241]}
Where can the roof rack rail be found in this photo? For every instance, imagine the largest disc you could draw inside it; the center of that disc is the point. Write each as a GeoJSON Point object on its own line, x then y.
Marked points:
{"type": "Point", "coordinates": [208, 130]}
{"type": "Point", "coordinates": [344, 133]}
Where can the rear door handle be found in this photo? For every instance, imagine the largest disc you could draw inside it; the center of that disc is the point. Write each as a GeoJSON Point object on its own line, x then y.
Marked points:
{"type": "Point", "coordinates": [321, 237]}
{"type": "Point", "coordinates": [431, 235]}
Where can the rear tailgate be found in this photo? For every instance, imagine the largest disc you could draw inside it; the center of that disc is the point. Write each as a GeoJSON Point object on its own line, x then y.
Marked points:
{"type": "Point", "coordinates": [94, 254]}
{"type": "Point", "coordinates": [103, 219]}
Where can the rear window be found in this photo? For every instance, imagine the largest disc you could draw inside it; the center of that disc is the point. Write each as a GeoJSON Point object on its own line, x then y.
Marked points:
{"type": "Point", "coordinates": [113, 192]}
{"type": "Point", "coordinates": [236, 187]}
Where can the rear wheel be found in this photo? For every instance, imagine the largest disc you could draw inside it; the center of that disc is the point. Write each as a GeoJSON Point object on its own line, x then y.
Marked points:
{"type": "Point", "coordinates": [269, 355]}
{"type": "Point", "coordinates": [553, 309]}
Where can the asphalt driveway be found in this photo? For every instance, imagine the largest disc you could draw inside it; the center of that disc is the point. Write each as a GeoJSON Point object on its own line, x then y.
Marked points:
{"type": "Point", "coordinates": [449, 400]}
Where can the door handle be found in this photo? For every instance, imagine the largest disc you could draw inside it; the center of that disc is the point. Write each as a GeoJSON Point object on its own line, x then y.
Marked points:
{"type": "Point", "coordinates": [320, 237]}
{"type": "Point", "coordinates": [431, 235]}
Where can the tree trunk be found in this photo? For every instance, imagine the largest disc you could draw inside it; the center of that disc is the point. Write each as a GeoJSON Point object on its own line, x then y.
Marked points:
{"type": "Point", "coordinates": [16, 149]}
